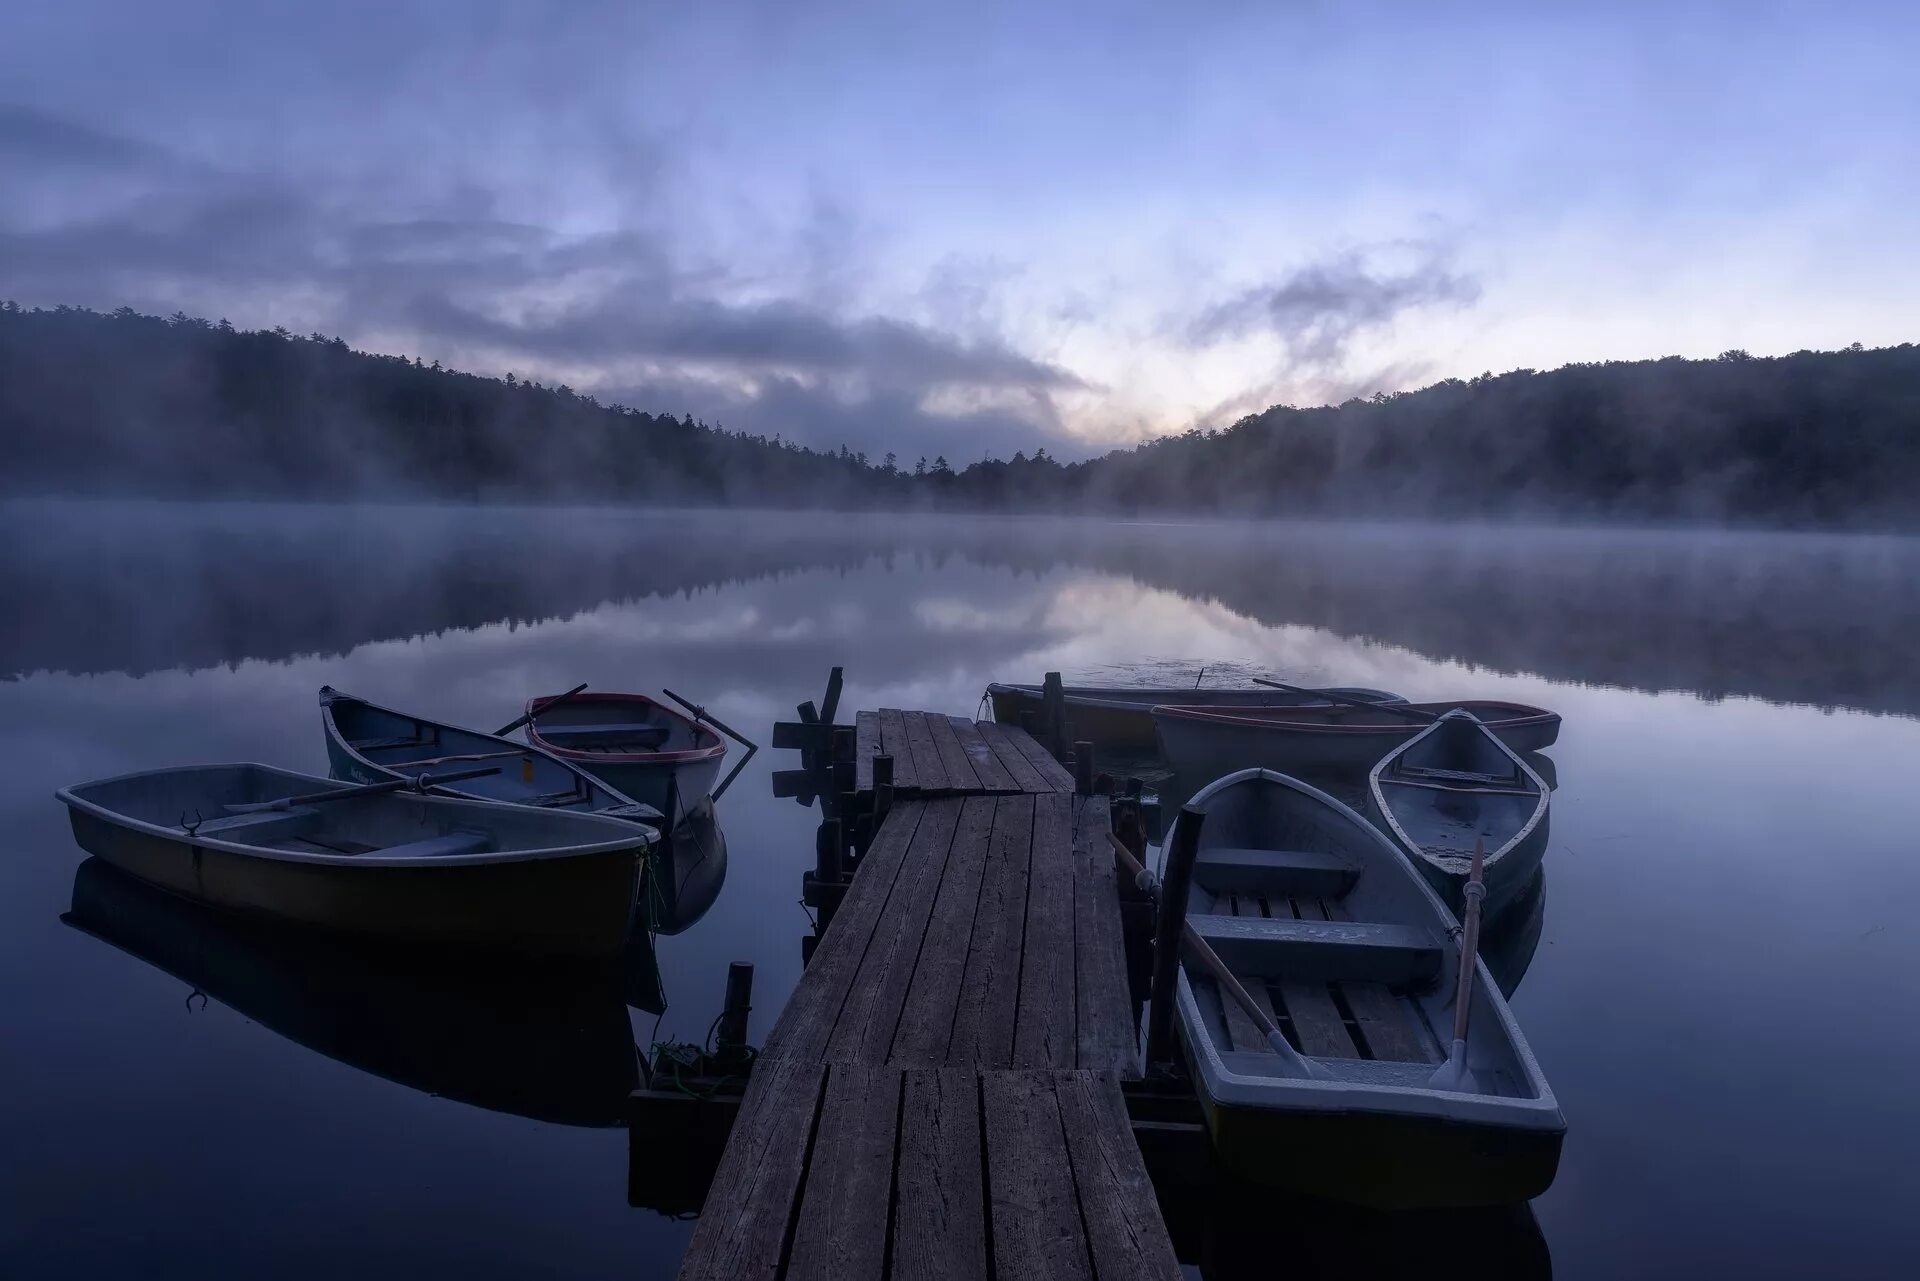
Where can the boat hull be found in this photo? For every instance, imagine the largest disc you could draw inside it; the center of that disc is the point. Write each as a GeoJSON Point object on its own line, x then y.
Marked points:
{"type": "Point", "coordinates": [573, 906]}
{"type": "Point", "coordinates": [1207, 742]}
{"type": "Point", "coordinates": [1120, 718]}
{"type": "Point", "coordinates": [1384, 1161]}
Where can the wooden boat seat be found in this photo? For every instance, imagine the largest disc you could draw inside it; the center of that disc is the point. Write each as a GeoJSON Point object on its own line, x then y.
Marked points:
{"type": "Point", "coordinates": [382, 744]}
{"type": "Point", "coordinates": [642, 732]}
{"type": "Point", "coordinates": [1226, 870]}
{"type": "Point", "coordinates": [439, 846]}
{"type": "Point", "coordinates": [1398, 955]}
{"type": "Point", "coordinates": [1452, 775]}
{"type": "Point", "coordinates": [261, 827]}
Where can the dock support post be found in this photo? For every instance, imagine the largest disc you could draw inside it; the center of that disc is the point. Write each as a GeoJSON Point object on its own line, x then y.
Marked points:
{"type": "Point", "coordinates": [827, 865]}
{"type": "Point", "coordinates": [731, 1039]}
{"type": "Point", "coordinates": [845, 766]}
{"type": "Point", "coordinates": [1054, 699]}
{"type": "Point", "coordinates": [882, 787]}
{"type": "Point", "coordinates": [1083, 768]}
{"type": "Point", "coordinates": [1174, 883]}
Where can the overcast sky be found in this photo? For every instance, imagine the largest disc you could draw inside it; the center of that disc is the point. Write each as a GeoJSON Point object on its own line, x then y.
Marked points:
{"type": "Point", "coordinates": [967, 227]}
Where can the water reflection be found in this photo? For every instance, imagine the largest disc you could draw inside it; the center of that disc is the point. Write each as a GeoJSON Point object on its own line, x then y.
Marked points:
{"type": "Point", "coordinates": [1815, 619]}
{"type": "Point", "coordinates": [542, 1040]}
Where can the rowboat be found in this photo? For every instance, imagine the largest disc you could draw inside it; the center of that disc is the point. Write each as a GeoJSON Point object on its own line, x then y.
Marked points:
{"type": "Point", "coordinates": [531, 1036]}
{"type": "Point", "coordinates": [1347, 948]}
{"type": "Point", "coordinates": [1209, 741]}
{"type": "Point", "coordinates": [370, 744]}
{"type": "Point", "coordinates": [1455, 784]}
{"type": "Point", "coordinates": [1118, 718]}
{"type": "Point", "coordinates": [412, 867]}
{"type": "Point", "coordinates": [635, 745]}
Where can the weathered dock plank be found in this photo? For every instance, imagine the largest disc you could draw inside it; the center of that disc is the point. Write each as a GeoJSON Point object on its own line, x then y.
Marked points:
{"type": "Point", "coordinates": [871, 1012]}
{"type": "Point", "coordinates": [1052, 772]}
{"type": "Point", "coordinates": [842, 1227]}
{"type": "Point", "coordinates": [940, 1221]}
{"type": "Point", "coordinates": [987, 768]}
{"type": "Point", "coordinates": [806, 1025]}
{"type": "Point", "coordinates": [1044, 1030]}
{"type": "Point", "coordinates": [1116, 1197]}
{"type": "Point", "coordinates": [759, 1177]}
{"type": "Point", "coordinates": [926, 1025]}
{"type": "Point", "coordinates": [1105, 1032]}
{"type": "Point", "coordinates": [983, 1024]}
{"type": "Point", "coordinates": [1037, 1228]}
{"type": "Point", "coordinates": [927, 766]}
{"type": "Point", "coordinates": [1001, 739]}
{"type": "Point", "coordinates": [893, 741]}
{"type": "Point", "coordinates": [953, 757]}
{"type": "Point", "coordinates": [866, 746]}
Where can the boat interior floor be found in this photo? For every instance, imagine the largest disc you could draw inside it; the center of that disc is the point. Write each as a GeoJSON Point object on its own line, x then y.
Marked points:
{"type": "Point", "coordinates": [1332, 985]}
{"type": "Point", "coordinates": [1321, 1014]}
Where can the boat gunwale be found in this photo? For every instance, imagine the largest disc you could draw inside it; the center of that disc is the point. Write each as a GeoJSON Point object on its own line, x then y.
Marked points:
{"type": "Point", "coordinates": [640, 839]}
{"type": "Point", "coordinates": [687, 756]}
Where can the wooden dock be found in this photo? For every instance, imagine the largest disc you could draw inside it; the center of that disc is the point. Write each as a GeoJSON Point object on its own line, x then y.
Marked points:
{"type": "Point", "coordinates": [941, 1096]}
{"type": "Point", "coordinates": [935, 755]}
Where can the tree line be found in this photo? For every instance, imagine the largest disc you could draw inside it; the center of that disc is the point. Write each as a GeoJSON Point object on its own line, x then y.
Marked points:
{"type": "Point", "coordinates": [125, 403]}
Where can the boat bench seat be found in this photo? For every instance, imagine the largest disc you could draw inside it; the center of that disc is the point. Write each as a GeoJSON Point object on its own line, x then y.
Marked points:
{"type": "Point", "coordinates": [438, 846]}
{"type": "Point", "coordinates": [1225, 870]}
{"type": "Point", "coordinates": [1331, 951]}
{"type": "Point", "coordinates": [1455, 775]}
{"type": "Point", "coordinates": [262, 826]}
{"type": "Point", "coordinates": [640, 731]}
{"type": "Point", "coordinates": [382, 744]}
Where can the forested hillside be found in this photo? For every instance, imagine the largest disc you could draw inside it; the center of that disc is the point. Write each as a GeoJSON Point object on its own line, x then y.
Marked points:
{"type": "Point", "coordinates": [133, 404]}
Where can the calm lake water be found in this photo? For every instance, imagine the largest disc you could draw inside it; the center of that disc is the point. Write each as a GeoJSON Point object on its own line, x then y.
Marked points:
{"type": "Point", "coordinates": [1723, 994]}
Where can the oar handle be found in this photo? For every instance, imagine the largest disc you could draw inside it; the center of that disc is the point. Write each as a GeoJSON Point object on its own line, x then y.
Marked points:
{"type": "Point", "coordinates": [1398, 709]}
{"type": "Point", "coordinates": [518, 721]}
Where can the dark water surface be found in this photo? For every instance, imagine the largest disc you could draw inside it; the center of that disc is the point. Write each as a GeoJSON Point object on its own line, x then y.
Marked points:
{"type": "Point", "coordinates": [1724, 994]}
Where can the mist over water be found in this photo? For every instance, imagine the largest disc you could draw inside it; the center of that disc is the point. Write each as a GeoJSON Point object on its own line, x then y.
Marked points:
{"type": "Point", "coordinates": [1730, 874]}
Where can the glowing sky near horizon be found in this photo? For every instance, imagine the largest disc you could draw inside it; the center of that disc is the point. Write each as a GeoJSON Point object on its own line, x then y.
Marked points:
{"type": "Point", "coordinates": [971, 228]}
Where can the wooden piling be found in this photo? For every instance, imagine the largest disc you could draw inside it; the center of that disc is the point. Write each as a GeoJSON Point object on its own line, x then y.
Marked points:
{"type": "Point", "coordinates": [1054, 707]}
{"type": "Point", "coordinates": [730, 1040]}
{"type": "Point", "coordinates": [828, 845]}
{"type": "Point", "coordinates": [1083, 768]}
{"type": "Point", "coordinates": [882, 787]}
{"type": "Point", "coordinates": [1174, 884]}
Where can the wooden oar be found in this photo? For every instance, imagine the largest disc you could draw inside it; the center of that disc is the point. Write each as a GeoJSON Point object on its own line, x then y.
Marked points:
{"type": "Point", "coordinates": [517, 722]}
{"type": "Point", "coordinates": [1398, 709]}
{"type": "Point", "coordinates": [420, 783]}
{"type": "Point", "coordinates": [1453, 1074]}
{"type": "Point", "coordinates": [1276, 1039]}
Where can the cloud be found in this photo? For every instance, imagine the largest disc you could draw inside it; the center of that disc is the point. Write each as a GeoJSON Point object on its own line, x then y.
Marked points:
{"type": "Point", "coordinates": [1318, 310]}
{"type": "Point", "coordinates": [623, 313]}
